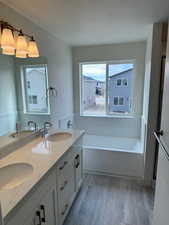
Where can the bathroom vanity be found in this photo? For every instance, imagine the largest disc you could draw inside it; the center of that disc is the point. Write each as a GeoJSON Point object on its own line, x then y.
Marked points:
{"type": "Point", "coordinates": [53, 175]}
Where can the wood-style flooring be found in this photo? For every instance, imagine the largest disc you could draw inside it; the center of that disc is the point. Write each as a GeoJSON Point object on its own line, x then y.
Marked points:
{"type": "Point", "coordinates": [111, 201]}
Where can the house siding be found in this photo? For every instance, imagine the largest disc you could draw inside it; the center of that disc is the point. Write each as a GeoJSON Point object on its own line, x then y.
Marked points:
{"type": "Point", "coordinates": [120, 91]}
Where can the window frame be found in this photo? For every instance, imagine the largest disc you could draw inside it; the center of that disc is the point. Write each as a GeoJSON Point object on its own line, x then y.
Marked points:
{"type": "Point", "coordinates": [25, 109]}
{"type": "Point", "coordinates": [132, 114]}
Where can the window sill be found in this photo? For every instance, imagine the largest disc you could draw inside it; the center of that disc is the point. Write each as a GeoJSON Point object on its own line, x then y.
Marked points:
{"type": "Point", "coordinates": [113, 116]}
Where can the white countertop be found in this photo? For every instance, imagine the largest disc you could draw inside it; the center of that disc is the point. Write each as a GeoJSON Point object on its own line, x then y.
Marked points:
{"type": "Point", "coordinates": [42, 155]}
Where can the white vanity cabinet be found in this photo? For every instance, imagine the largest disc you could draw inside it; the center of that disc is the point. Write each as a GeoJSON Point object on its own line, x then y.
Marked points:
{"type": "Point", "coordinates": [69, 176]}
{"type": "Point", "coordinates": [39, 207]}
{"type": "Point", "coordinates": [65, 188]}
{"type": "Point", "coordinates": [49, 201]}
{"type": "Point", "coordinates": [44, 213]}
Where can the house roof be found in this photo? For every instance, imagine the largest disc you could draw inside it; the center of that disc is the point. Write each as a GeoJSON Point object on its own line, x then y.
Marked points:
{"type": "Point", "coordinates": [92, 79]}
{"type": "Point", "coordinates": [89, 78]}
{"type": "Point", "coordinates": [117, 74]}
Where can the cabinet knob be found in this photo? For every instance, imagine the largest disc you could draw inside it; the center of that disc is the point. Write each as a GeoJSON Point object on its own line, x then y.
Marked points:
{"type": "Point", "coordinates": [77, 161]}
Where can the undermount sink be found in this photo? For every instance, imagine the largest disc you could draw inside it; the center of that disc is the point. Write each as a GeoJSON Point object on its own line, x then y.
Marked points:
{"type": "Point", "coordinates": [60, 136]}
{"type": "Point", "coordinates": [14, 174]}
{"type": "Point", "coordinates": [23, 133]}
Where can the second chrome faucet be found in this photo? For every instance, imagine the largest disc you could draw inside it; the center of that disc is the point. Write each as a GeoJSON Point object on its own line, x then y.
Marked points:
{"type": "Point", "coordinates": [46, 127]}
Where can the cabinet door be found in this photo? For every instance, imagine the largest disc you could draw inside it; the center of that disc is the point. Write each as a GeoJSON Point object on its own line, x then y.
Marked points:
{"type": "Point", "coordinates": [32, 220]}
{"type": "Point", "coordinates": [161, 215]}
{"type": "Point", "coordinates": [66, 190]}
{"type": "Point", "coordinates": [48, 208]}
{"type": "Point", "coordinates": [78, 169]}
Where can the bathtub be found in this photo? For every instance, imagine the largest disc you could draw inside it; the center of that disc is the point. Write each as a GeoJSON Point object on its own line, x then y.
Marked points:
{"type": "Point", "coordinates": [112, 143]}
{"type": "Point", "coordinates": [113, 156]}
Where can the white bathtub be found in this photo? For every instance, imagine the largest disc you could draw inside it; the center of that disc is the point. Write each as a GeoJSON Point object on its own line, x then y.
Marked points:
{"type": "Point", "coordinates": [113, 156]}
{"type": "Point", "coordinates": [112, 143]}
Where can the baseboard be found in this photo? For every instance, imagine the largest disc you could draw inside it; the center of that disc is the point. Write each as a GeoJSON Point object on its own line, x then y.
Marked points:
{"type": "Point", "coordinates": [103, 173]}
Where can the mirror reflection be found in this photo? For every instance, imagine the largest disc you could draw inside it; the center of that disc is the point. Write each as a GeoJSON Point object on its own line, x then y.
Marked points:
{"type": "Point", "coordinates": [24, 100]}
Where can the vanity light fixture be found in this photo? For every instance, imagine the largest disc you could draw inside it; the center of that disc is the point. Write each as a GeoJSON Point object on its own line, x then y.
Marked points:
{"type": "Point", "coordinates": [33, 48]}
{"type": "Point", "coordinates": [7, 40]}
{"type": "Point", "coordinates": [14, 42]}
{"type": "Point", "coordinates": [21, 46]}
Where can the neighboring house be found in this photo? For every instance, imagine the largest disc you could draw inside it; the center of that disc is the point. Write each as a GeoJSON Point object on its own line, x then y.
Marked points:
{"type": "Point", "coordinates": [100, 88]}
{"type": "Point", "coordinates": [89, 92]}
{"type": "Point", "coordinates": [120, 91]}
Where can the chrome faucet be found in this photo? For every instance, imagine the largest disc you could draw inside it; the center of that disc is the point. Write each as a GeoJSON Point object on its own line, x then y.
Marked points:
{"type": "Point", "coordinates": [47, 125]}
{"type": "Point", "coordinates": [32, 123]}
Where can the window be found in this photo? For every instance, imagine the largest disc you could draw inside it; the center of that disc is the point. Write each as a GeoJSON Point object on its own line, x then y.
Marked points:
{"type": "Point", "coordinates": [99, 92]}
{"type": "Point", "coordinates": [125, 82]}
{"type": "Point", "coordinates": [118, 101]}
{"type": "Point", "coordinates": [121, 101]}
{"type": "Point", "coordinates": [32, 99]}
{"type": "Point", "coordinates": [34, 89]}
{"type": "Point", "coordinates": [118, 82]}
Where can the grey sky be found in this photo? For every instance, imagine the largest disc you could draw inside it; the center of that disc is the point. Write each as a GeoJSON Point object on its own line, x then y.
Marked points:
{"type": "Point", "coordinates": [98, 71]}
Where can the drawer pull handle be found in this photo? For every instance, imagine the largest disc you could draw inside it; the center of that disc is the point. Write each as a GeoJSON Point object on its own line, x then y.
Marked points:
{"type": "Point", "coordinates": [42, 207]}
{"type": "Point", "coordinates": [63, 213]}
{"type": "Point", "coordinates": [64, 164]}
{"type": "Point", "coordinates": [77, 161]}
{"type": "Point", "coordinates": [63, 187]}
{"type": "Point", "coordinates": [39, 217]}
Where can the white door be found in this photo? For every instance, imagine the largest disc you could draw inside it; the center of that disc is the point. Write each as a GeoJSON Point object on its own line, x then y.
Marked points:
{"type": "Point", "coordinates": [165, 104]}
{"type": "Point", "coordinates": [48, 208]}
{"type": "Point", "coordinates": [78, 170]}
{"type": "Point", "coordinates": [161, 208]}
{"type": "Point", "coordinates": [66, 190]}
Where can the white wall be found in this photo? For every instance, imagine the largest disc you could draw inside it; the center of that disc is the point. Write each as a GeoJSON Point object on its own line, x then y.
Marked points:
{"type": "Point", "coordinates": [129, 127]}
{"type": "Point", "coordinates": [59, 59]}
{"type": "Point", "coordinates": [8, 110]}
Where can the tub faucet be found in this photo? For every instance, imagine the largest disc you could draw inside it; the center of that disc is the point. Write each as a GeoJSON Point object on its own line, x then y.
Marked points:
{"type": "Point", "coordinates": [32, 123]}
{"type": "Point", "coordinates": [47, 125]}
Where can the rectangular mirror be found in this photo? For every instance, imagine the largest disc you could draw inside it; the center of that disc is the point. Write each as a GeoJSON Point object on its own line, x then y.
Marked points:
{"type": "Point", "coordinates": [34, 89]}
{"type": "Point", "coordinates": [23, 96]}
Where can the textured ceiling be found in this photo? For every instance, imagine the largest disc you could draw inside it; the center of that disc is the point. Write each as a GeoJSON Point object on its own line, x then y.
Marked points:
{"type": "Point", "coordinates": [85, 22]}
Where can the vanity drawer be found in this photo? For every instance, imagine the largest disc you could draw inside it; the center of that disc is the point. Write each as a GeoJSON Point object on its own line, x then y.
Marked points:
{"type": "Point", "coordinates": [66, 190]}
{"type": "Point", "coordinates": [63, 163]}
